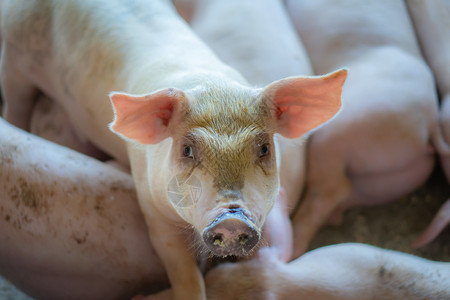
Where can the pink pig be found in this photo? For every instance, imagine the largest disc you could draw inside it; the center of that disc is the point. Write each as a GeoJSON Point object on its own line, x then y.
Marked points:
{"type": "Point", "coordinates": [199, 140]}
{"type": "Point", "coordinates": [380, 147]}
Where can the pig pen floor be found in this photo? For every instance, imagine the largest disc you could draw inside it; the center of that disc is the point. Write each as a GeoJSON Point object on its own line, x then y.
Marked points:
{"type": "Point", "coordinates": [392, 226]}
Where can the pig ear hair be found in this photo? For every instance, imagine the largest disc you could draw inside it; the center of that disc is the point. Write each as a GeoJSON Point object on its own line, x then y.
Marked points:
{"type": "Point", "coordinates": [146, 119]}
{"type": "Point", "coordinates": [303, 103]}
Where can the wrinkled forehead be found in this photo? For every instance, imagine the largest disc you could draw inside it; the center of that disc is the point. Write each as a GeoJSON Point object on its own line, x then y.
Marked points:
{"type": "Point", "coordinates": [227, 157]}
{"type": "Point", "coordinates": [227, 109]}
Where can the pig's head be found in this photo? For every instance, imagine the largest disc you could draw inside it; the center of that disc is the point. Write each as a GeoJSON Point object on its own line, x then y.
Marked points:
{"type": "Point", "coordinates": [223, 157]}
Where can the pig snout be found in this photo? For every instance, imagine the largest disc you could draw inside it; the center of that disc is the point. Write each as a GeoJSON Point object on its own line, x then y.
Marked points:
{"type": "Point", "coordinates": [231, 233]}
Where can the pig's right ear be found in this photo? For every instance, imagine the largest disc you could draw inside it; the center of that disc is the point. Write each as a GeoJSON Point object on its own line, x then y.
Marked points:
{"type": "Point", "coordinates": [146, 119]}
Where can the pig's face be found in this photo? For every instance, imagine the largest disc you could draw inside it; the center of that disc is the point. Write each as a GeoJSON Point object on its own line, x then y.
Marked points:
{"type": "Point", "coordinates": [225, 144]}
{"type": "Point", "coordinates": [223, 165]}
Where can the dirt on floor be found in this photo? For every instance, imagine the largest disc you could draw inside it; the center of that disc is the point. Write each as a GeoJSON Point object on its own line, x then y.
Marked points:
{"type": "Point", "coordinates": [396, 225]}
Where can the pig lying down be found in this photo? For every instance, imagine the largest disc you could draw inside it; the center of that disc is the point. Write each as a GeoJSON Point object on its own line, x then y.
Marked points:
{"type": "Point", "coordinates": [337, 272]}
{"type": "Point", "coordinates": [180, 112]}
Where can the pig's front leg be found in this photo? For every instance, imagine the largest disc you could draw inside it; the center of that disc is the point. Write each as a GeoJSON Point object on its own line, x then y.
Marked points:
{"type": "Point", "coordinates": [180, 263]}
{"type": "Point", "coordinates": [168, 238]}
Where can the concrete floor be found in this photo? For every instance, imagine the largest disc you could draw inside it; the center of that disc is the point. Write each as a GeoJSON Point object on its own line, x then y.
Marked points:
{"type": "Point", "coordinates": [396, 225]}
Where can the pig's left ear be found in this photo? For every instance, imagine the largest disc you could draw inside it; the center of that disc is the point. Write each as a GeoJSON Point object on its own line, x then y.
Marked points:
{"type": "Point", "coordinates": [303, 103]}
{"type": "Point", "coordinates": [146, 119]}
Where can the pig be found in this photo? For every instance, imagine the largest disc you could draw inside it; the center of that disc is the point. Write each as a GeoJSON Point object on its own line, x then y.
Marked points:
{"type": "Point", "coordinates": [382, 145]}
{"type": "Point", "coordinates": [337, 272]}
{"type": "Point", "coordinates": [198, 138]}
{"type": "Point", "coordinates": [430, 19]}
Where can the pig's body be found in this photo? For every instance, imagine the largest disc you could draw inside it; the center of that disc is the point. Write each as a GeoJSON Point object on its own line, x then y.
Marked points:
{"type": "Point", "coordinates": [190, 123]}
{"type": "Point", "coordinates": [379, 148]}
{"type": "Point", "coordinates": [431, 21]}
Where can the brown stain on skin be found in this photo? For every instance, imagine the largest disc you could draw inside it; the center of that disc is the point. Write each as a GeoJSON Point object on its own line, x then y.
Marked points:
{"type": "Point", "coordinates": [24, 194]}
{"type": "Point", "coordinates": [29, 202]}
{"type": "Point", "coordinates": [6, 154]}
{"type": "Point", "coordinates": [80, 238]}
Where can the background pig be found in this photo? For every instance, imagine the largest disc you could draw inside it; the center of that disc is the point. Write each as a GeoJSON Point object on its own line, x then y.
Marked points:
{"type": "Point", "coordinates": [49, 121]}
{"type": "Point", "coordinates": [187, 118]}
{"type": "Point", "coordinates": [431, 21]}
{"type": "Point", "coordinates": [378, 148]}
{"type": "Point", "coordinates": [338, 272]}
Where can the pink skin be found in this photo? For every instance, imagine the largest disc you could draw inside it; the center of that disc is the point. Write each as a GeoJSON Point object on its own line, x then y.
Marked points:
{"type": "Point", "coordinates": [439, 222]}
{"type": "Point", "coordinates": [337, 272]}
{"type": "Point", "coordinates": [430, 20]}
{"type": "Point", "coordinates": [379, 148]}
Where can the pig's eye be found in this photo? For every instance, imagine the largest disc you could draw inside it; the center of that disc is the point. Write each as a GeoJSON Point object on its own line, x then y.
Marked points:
{"type": "Point", "coordinates": [188, 152]}
{"type": "Point", "coordinates": [264, 150]}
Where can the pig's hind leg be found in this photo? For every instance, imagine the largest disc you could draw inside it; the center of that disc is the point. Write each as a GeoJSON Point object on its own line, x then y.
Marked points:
{"type": "Point", "coordinates": [440, 221]}
{"type": "Point", "coordinates": [18, 92]}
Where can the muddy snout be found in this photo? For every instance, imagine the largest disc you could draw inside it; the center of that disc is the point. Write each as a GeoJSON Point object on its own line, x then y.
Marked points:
{"type": "Point", "coordinates": [231, 233]}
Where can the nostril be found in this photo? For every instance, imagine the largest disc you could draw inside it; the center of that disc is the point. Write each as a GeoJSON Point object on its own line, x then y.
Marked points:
{"type": "Point", "coordinates": [243, 238]}
{"type": "Point", "coordinates": [217, 239]}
